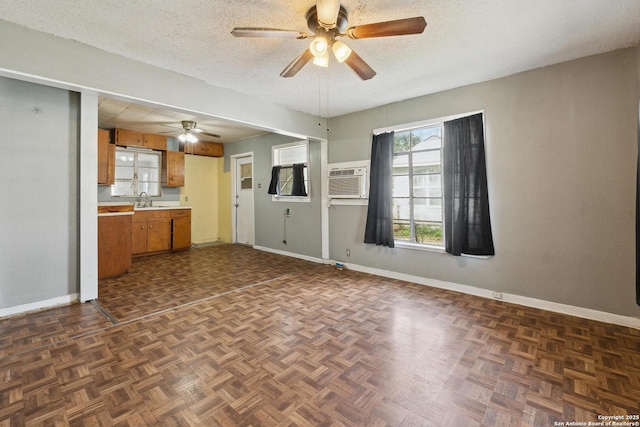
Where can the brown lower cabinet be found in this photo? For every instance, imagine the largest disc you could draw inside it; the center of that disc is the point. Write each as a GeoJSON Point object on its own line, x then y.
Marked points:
{"type": "Point", "coordinates": [160, 230]}
{"type": "Point", "coordinates": [114, 245]}
{"type": "Point", "coordinates": [180, 229]}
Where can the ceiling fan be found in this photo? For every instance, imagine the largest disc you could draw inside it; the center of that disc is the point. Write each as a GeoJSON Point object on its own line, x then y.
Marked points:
{"type": "Point", "coordinates": [190, 130]}
{"type": "Point", "coordinates": [327, 21]}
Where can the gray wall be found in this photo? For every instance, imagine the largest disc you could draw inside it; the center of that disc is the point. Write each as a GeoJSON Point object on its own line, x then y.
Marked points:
{"type": "Point", "coordinates": [561, 157]}
{"type": "Point", "coordinates": [39, 168]}
{"type": "Point", "coordinates": [303, 231]}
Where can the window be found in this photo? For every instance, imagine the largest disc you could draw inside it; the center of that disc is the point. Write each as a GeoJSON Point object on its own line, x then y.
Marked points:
{"type": "Point", "coordinates": [286, 156]}
{"type": "Point", "coordinates": [136, 171]}
{"type": "Point", "coordinates": [417, 186]}
{"type": "Point", "coordinates": [429, 187]}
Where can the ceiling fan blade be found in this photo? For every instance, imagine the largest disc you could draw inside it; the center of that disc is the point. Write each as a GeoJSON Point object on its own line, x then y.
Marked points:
{"type": "Point", "coordinates": [201, 132]}
{"type": "Point", "coordinates": [361, 68]}
{"type": "Point", "coordinates": [268, 32]}
{"type": "Point", "coordinates": [327, 11]}
{"type": "Point", "coordinates": [399, 27]}
{"type": "Point", "coordinates": [297, 64]}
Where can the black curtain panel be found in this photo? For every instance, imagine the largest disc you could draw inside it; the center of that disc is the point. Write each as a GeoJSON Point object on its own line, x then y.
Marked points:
{"type": "Point", "coordinates": [466, 198]}
{"type": "Point", "coordinates": [638, 217]}
{"type": "Point", "coordinates": [379, 228]}
{"type": "Point", "coordinates": [298, 180]}
{"type": "Point", "coordinates": [274, 185]}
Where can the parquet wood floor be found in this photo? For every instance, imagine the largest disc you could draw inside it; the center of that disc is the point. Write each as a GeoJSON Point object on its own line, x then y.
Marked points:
{"type": "Point", "coordinates": [226, 335]}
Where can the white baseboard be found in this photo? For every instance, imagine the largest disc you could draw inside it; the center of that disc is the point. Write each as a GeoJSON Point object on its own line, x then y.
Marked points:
{"type": "Point", "coordinates": [290, 254]}
{"type": "Point", "coordinates": [38, 305]}
{"type": "Point", "coordinates": [586, 313]}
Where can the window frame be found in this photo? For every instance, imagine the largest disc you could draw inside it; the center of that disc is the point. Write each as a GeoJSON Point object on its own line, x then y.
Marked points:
{"type": "Point", "coordinates": [307, 181]}
{"type": "Point", "coordinates": [136, 152]}
{"type": "Point", "coordinates": [411, 196]}
{"type": "Point", "coordinates": [415, 125]}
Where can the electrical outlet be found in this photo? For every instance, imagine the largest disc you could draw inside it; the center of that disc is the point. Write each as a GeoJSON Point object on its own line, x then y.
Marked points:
{"type": "Point", "coordinates": [287, 212]}
{"type": "Point", "coordinates": [497, 295]}
{"type": "Point", "coordinates": [186, 198]}
{"type": "Point", "coordinates": [348, 252]}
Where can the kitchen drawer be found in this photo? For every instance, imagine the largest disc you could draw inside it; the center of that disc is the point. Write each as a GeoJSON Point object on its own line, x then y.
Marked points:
{"type": "Point", "coordinates": [152, 214]}
{"type": "Point", "coordinates": [103, 209]}
{"type": "Point", "coordinates": [177, 213]}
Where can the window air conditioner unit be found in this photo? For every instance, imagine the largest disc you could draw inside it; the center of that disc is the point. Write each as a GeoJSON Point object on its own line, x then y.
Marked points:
{"type": "Point", "coordinates": [348, 183]}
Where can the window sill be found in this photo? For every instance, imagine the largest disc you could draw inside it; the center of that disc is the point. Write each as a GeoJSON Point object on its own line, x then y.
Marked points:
{"type": "Point", "coordinates": [419, 247]}
{"type": "Point", "coordinates": [432, 248]}
{"type": "Point", "coordinates": [293, 199]}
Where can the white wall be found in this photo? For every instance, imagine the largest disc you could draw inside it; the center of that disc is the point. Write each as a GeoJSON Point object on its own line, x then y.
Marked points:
{"type": "Point", "coordinates": [39, 216]}
{"type": "Point", "coordinates": [561, 155]}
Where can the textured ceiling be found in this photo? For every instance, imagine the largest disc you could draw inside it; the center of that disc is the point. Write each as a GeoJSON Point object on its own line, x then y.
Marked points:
{"type": "Point", "coordinates": [465, 42]}
{"type": "Point", "coordinates": [114, 113]}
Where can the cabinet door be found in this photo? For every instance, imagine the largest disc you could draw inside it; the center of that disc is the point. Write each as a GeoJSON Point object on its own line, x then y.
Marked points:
{"type": "Point", "coordinates": [181, 233]}
{"type": "Point", "coordinates": [202, 148]}
{"type": "Point", "coordinates": [155, 142]}
{"type": "Point", "coordinates": [129, 138]}
{"type": "Point", "coordinates": [114, 245]}
{"type": "Point", "coordinates": [173, 169]}
{"type": "Point", "coordinates": [216, 149]}
{"type": "Point", "coordinates": [158, 235]}
{"type": "Point", "coordinates": [106, 157]}
{"type": "Point", "coordinates": [138, 237]}
{"type": "Point", "coordinates": [111, 165]}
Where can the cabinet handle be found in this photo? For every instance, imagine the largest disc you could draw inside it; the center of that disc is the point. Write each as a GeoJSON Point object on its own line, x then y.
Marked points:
{"type": "Point", "coordinates": [142, 228]}
{"type": "Point", "coordinates": [151, 226]}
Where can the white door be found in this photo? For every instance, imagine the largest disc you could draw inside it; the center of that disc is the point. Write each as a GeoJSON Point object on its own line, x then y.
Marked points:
{"type": "Point", "coordinates": [244, 200]}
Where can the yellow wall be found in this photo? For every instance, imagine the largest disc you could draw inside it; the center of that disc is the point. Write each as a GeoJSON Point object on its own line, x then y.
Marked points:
{"type": "Point", "coordinates": [201, 192]}
{"type": "Point", "coordinates": [224, 203]}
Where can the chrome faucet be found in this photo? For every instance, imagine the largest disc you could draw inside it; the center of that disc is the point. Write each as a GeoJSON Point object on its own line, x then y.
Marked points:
{"type": "Point", "coordinates": [146, 200]}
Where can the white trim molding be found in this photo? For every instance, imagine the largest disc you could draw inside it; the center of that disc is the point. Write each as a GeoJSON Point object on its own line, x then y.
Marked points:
{"type": "Point", "coordinates": [586, 313]}
{"type": "Point", "coordinates": [38, 305]}
{"type": "Point", "coordinates": [291, 254]}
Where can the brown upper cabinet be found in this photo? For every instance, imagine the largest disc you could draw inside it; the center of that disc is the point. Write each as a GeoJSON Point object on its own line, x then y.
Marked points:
{"type": "Point", "coordinates": [155, 142]}
{"type": "Point", "coordinates": [173, 169]}
{"type": "Point", "coordinates": [106, 158]}
{"type": "Point", "coordinates": [203, 148]}
{"type": "Point", "coordinates": [130, 138]}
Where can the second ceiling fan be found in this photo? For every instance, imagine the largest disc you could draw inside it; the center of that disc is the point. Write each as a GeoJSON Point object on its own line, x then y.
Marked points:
{"type": "Point", "coordinates": [327, 21]}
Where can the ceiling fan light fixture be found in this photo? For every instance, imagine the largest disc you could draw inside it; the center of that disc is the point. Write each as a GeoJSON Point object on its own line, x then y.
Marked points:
{"type": "Point", "coordinates": [322, 61]}
{"type": "Point", "coordinates": [188, 137]}
{"type": "Point", "coordinates": [319, 46]}
{"type": "Point", "coordinates": [341, 51]}
{"type": "Point", "coordinates": [327, 11]}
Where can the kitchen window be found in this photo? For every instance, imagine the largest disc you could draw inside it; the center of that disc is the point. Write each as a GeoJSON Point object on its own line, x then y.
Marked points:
{"type": "Point", "coordinates": [137, 171]}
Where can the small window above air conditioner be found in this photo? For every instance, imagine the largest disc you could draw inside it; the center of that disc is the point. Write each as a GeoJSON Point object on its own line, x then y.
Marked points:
{"type": "Point", "coordinates": [348, 182]}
